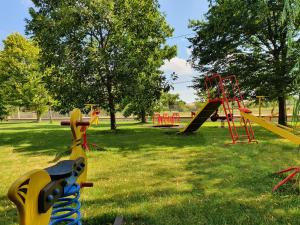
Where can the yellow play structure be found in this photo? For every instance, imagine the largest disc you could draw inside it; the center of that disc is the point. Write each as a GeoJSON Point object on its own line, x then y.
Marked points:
{"type": "Point", "coordinates": [280, 130]}
{"type": "Point", "coordinates": [51, 195]}
{"type": "Point", "coordinates": [94, 114]}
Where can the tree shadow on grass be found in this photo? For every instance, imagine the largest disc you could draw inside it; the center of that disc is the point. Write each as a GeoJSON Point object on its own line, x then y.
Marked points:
{"type": "Point", "coordinates": [49, 139]}
{"type": "Point", "coordinates": [228, 187]}
{"type": "Point", "coordinates": [197, 208]}
{"type": "Point", "coordinates": [143, 202]}
{"type": "Point", "coordinates": [246, 179]}
{"type": "Point", "coordinates": [30, 127]}
{"type": "Point", "coordinates": [47, 142]}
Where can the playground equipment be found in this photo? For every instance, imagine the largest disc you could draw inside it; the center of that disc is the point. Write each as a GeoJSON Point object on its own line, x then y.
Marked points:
{"type": "Point", "coordinates": [226, 92]}
{"type": "Point", "coordinates": [260, 100]}
{"type": "Point", "coordinates": [284, 132]}
{"type": "Point", "coordinates": [85, 144]}
{"type": "Point", "coordinates": [193, 114]}
{"type": "Point", "coordinates": [215, 117]}
{"type": "Point", "coordinates": [280, 130]}
{"type": "Point", "coordinates": [176, 118]}
{"type": "Point", "coordinates": [157, 119]}
{"type": "Point", "coordinates": [94, 114]}
{"type": "Point", "coordinates": [51, 195]}
{"type": "Point", "coordinates": [166, 120]}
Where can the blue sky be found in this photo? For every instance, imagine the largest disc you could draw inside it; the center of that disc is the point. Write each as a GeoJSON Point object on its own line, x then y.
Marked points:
{"type": "Point", "coordinates": [178, 13]}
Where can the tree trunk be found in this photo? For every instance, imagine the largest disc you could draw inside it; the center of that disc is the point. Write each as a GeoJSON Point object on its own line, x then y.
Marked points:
{"type": "Point", "coordinates": [282, 118]}
{"type": "Point", "coordinates": [111, 102]}
{"type": "Point", "coordinates": [113, 125]}
{"type": "Point", "coordinates": [18, 110]}
{"type": "Point", "coordinates": [112, 112]}
{"type": "Point", "coordinates": [50, 115]}
{"type": "Point", "coordinates": [143, 116]}
{"type": "Point", "coordinates": [38, 117]}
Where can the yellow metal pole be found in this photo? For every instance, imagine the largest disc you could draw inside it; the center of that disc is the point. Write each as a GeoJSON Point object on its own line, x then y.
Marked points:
{"type": "Point", "coordinates": [259, 102]}
{"type": "Point", "coordinates": [260, 98]}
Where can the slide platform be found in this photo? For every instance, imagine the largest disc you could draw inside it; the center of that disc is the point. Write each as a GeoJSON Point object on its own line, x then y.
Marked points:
{"type": "Point", "coordinates": [208, 109]}
{"type": "Point", "coordinates": [273, 128]}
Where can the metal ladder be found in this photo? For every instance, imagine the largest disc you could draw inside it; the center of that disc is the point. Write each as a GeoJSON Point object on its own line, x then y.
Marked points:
{"type": "Point", "coordinates": [228, 91]}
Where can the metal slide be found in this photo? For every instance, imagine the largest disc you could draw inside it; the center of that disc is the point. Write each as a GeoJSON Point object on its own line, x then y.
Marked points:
{"type": "Point", "coordinates": [208, 109]}
{"type": "Point", "coordinates": [272, 127]}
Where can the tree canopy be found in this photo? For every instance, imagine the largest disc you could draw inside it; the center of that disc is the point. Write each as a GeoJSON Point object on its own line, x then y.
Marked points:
{"type": "Point", "coordinates": [21, 76]}
{"type": "Point", "coordinates": [100, 48]}
{"type": "Point", "coordinates": [249, 39]}
{"type": "Point", "coordinates": [171, 102]}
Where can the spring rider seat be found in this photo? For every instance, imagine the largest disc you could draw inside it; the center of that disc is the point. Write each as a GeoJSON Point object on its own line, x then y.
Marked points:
{"type": "Point", "coordinates": [51, 195]}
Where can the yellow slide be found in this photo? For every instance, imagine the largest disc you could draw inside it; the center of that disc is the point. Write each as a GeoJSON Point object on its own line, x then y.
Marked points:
{"type": "Point", "coordinates": [207, 110]}
{"type": "Point", "coordinates": [272, 127]}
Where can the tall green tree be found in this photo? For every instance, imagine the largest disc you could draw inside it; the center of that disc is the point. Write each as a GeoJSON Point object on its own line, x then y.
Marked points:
{"type": "Point", "coordinates": [143, 100]}
{"type": "Point", "coordinates": [3, 109]}
{"type": "Point", "coordinates": [249, 39]}
{"type": "Point", "coordinates": [3, 97]}
{"type": "Point", "coordinates": [98, 47]}
{"type": "Point", "coordinates": [21, 75]}
{"type": "Point", "coordinates": [147, 93]}
{"type": "Point", "coordinates": [169, 101]}
{"type": "Point", "coordinates": [291, 15]}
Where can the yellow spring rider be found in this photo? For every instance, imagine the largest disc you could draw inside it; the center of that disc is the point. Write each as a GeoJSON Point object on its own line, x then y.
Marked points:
{"type": "Point", "coordinates": [51, 195]}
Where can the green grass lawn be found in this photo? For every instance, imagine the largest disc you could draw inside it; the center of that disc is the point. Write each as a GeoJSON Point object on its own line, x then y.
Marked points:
{"type": "Point", "coordinates": [153, 176]}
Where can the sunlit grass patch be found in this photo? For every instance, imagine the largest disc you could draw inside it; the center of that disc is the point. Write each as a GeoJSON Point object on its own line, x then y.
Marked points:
{"type": "Point", "coordinates": [154, 176]}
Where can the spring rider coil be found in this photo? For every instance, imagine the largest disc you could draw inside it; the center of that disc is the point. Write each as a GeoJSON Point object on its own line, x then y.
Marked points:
{"type": "Point", "coordinates": [51, 195]}
{"type": "Point", "coordinates": [67, 208]}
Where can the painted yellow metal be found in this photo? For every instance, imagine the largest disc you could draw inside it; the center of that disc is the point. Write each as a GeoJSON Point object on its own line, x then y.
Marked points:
{"type": "Point", "coordinates": [260, 100]}
{"type": "Point", "coordinates": [284, 127]}
{"type": "Point", "coordinates": [94, 116]}
{"type": "Point", "coordinates": [94, 119]}
{"type": "Point", "coordinates": [24, 192]}
{"type": "Point", "coordinates": [76, 148]}
{"type": "Point", "coordinates": [273, 128]}
{"type": "Point", "coordinates": [76, 116]}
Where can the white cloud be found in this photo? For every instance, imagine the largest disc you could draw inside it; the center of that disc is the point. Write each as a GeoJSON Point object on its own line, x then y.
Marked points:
{"type": "Point", "coordinates": [186, 93]}
{"type": "Point", "coordinates": [189, 52]}
{"type": "Point", "coordinates": [185, 73]}
{"type": "Point", "coordinates": [180, 66]}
